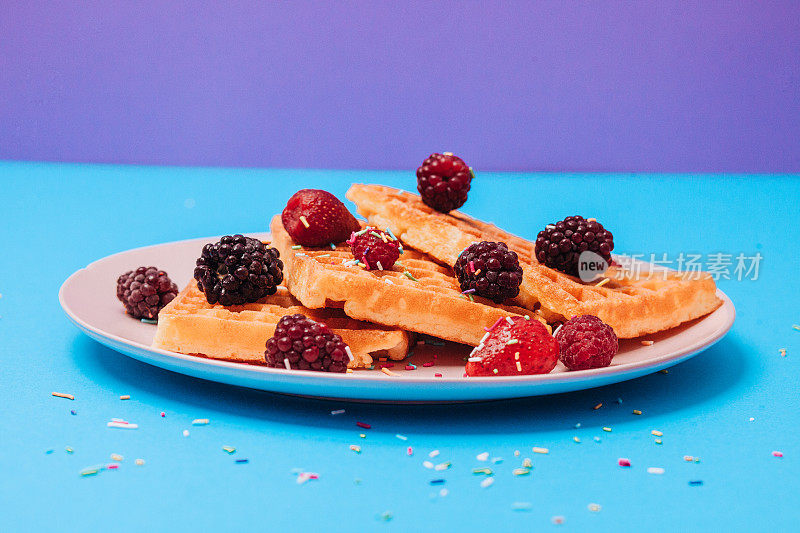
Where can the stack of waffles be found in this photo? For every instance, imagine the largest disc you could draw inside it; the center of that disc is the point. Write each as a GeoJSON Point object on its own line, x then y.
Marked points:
{"type": "Point", "coordinates": [377, 312]}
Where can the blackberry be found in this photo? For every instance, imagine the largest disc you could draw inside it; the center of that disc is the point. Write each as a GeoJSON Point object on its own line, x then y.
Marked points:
{"type": "Point", "coordinates": [306, 345]}
{"type": "Point", "coordinates": [377, 249]}
{"type": "Point", "coordinates": [490, 270]}
{"type": "Point", "coordinates": [560, 245]}
{"type": "Point", "coordinates": [238, 270]}
{"type": "Point", "coordinates": [443, 180]}
{"type": "Point", "coordinates": [145, 291]}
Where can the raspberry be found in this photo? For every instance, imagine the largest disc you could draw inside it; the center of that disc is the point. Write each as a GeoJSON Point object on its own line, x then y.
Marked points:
{"type": "Point", "coordinates": [238, 270]}
{"type": "Point", "coordinates": [443, 181]}
{"type": "Point", "coordinates": [145, 291]}
{"type": "Point", "coordinates": [521, 348]}
{"type": "Point", "coordinates": [313, 217]}
{"type": "Point", "coordinates": [559, 245]}
{"type": "Point", "coordinates": [586, 342]}
{"type": "Point", "coordinates": [490, 269]}
{"type": "Point", "coordinates": [377, 249]}
{"type": "Point", "coordinates": [307, 345]}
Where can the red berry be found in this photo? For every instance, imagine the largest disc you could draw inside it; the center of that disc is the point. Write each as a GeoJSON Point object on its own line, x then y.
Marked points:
{"type": "Point", "coordinates": [306, 345]}
{"type": "Point", "coordinates": [586, 342]}
{"type": "Point", "coordinates": [526, 347]}
{"type": "Point", "coordinates": [315, 218]}
{"type": "Point", "coordinates": [443, 181]}
{"type": "Point", "coordinates": [377, 249]}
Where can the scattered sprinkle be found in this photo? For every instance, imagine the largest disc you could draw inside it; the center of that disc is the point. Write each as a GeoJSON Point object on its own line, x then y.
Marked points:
{"type": "Point", "coordinates": [659, 441]}
{"type": "Point", "coordinates": [482, 456]}
{"type": "Point", "coordinates": [521, 471]}
{"type": "Point", "coordinates": [389, 372]}
{"type": "Point", "coordinates": [637, 412]}
{"type": "Point", "coordinates": [487, 482]}
{"type": "Point", "coordinates": [185, 432]}
{"type": "Point", "coordinates": [296, 247]}
{"type": "Point", "coordinates": [125, 397]}
{"type": "Point", "coordinates": [385, 516]}
{"type": "Point", "coordinates": [116, 457]}
{"type": "Point", "coordinates": [428, 364]}
{"type": "Point", "coordinates": [286, 363]}
{"type": "Point", "coordinates": [493, 326]}
{"type": "Point", "coordinates": [437, 375]}
{"type": "Point", "coordinates": [782, 351]}
{"type": "Point", "coordinates": [540, 450]}
{"type": "Point", "coordinates": [578, 425]}
{"type": "Point", "coordinates": [63, 395]}
{"type": "Point", "coordinates": [333, 246]}
{"type": "Point", "coordinates": [594, 507]}
{"type": "Point", "coordinates": [163, 414]}
{"type": "Point", "coordinates": [69, 450]}
{"type": "Point", "coordinates": [48, 452]}
{"type": "Point", "coordinates": [497, 460]}
{"type": "Point", "coordinates": [328, 255]}
{"type": "Point", "coordinates": [442, 466]}
{"type": "Point", "coordinates": [229, 449]}
{"type": "Point", "coordinates": [355, 448]}
{"type": "Point", "coordinates": [597, 439]}
{"type": "Point", "coordinates": [521, 506]}
{"type": "Point", "coordinates": [664, 371]}
{"type": "Point", "coordinates": [242, 461]}
{"type": "Point", "coordinates": [516, 453]}
{"type": "Point", "coordinates": [557, 520]}
{"type": "Point", "coordinates": [607, 429]}
{"type": "Point", "coordinates": [200, 422]}
{"type": "Point", "coordinates": [527, 463]}
{"type": "Point", "coordinates": [362, 435]}
{"type": "Point", "coordinates": [122, 425]}
{"type": "Point", "coordinates": [410, 276]}
{"type": "Point", "coordinates": [337, 412]}
{"type": "Point", "coordinates": [796, 327]}
{"type": "Point", "coordinates": [655, 470]}
{"type": "Point", "coordinates": [648, 343]}
{"type": "Point", "coordinates": [656, 433]}
{"type": "Point", "coordinates": [439, 481]}
{"type": "Point", "coordinates": [363, 425]}
{"type": "Point", "coordinates": [304, 221]}
{"type": "Point", "coordinates": [427, 464]}
{"type": "Point", "coordinates": [576, 439]}
{"type": "Point", "coordinates": [433, 454]}
{"type": "Point", "coordinates": [696, 482]}
{"type": "Point", "coordinates": [410, 367]}
{"type": "Point", "coordinates": [149, 321]}
{"type": "Point", "coordinates": [776, 453]}
{"type": "Point", "coordinates": [139, 462]}
{"type": "Point", "coordinates": [72, 412]}
{"type": "Point", "coordinates": [619, 401]}
{"type": "Point", "coordinates": [487, 471]}
{"type": "Point", "coordinates": [622, 461]}
{"type": "Point", "coordinates": [302, 477]}
{"type": "Point", "coordinates": [401, 437]}
{"type": "Point", "coordinates": [598, 406]}
{"type": "Point", "coordinates": [90, 471]}
{"type": "Point", "coordinates": [410, 451]}
{"type": "Point", "coordinates": [752, 419]}
{"type": "Point", "coordinates": [603, 282]}
{"type": "Point", "coordinates": [349, 352]}
{"type": "Point", "coordinates": [688, 458]}
{"type": "Point", "coordinates": [510, 322]}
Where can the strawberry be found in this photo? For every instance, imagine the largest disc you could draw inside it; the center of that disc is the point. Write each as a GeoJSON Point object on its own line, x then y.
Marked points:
{"type": "Point", "coordinates": [315, 218]}
{"type": "Point", "coordinates": [523, 347]}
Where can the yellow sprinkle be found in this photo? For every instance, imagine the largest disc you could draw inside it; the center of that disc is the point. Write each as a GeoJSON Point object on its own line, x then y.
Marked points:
{"type": "Point", "coordinates": [139, 462]}
{"type": "Point", "coordinates": [598, 406]}
{"type": "Point", "coordinates": [63, 395]}
{"type": "Point", "coordinates": [349, 371]}
{"type": "Point", "coordinates": [355, 448]}
{"type": "Point", "coordinates": [656, 433]}
{"type": "Point", "coordinates": [688, 458]}
{"type": "Point", "coordinates": [607, 429]}
{"type": "Point", "coordinates": [527, 463]}
{"type": "Point", "coordinates": [536, 449]}
{"type": "Point", "coordinates": [637, 412]}
{"type": "Point", "coordinates": [795, 326]}
{"type": "Point", "coordinates": [782, 351]}
{"type": "Point", "coordinates": [658, 441]}
{"type": "Point", "coordinates": [200, 422]}
{"type": "Point", "coordinates": [576, 439]}
{"type": "Point", "coordinates": [229, 449]}
{"type": "Point", "coordinates": [362, 435]}
{"type": "Point", "coordinates": [521, 471]}
{"type": "Point", "coordinates": [304, 221]}
{"type": "Point", "coordinates": [388, 372]}
{"type": "Point", "coordinates": [594, 507]}
{"type": "Point", "coordinates": [116, 457]}
{"type": "Point", "coordinates": [125, 397]}
{"type": "Point", "coordinates": [603, 282]}
{"type": "Point", "coordinates": [69, 450]}
{"type": "Point", "coordinates": [648, 343]}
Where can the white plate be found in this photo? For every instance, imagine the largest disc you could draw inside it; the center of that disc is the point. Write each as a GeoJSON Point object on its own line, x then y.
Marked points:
{"type": "Point", "coordinates": [89, 298]}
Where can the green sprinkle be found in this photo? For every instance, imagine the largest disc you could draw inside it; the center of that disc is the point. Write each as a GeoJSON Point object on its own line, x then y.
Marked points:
{"type": "Point", "coordinates": [376, 234]}
{"type": "Point", "coordinates": [296, 247]}
{"type": "Point", "coordinates": [69, 450]}
{"type": "Point", "coordinates": [391, 234]}
{"type": "Point", "coordinates": [471, 172]}
{"type": "Point", "coordinates": [91, 471]}
{"type": "Point", "coordinates": [362, 232]}
{"type": "Point", "coordinates": [521, 471]}
{"type": "Point", "coordinates": [386, 516]}
{"type": "Point", "coordinates": [324, 255]}
{"type": "Point", "coordinates": [333, 246]}
{"type": "Point", "coordinates": [522, 506]}
{"type": "Point", "coordinates": [795, 326]}
{"type": "Point", "coordinates": [487, 471]}
{"type": "Point", "coordinates": [149, 321]}
{"type": "Point", "coordinates": [410, 276]}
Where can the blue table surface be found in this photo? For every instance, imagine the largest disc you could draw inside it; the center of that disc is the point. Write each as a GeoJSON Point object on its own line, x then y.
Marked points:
{"type": "Point", "coordinates": [731, 406]}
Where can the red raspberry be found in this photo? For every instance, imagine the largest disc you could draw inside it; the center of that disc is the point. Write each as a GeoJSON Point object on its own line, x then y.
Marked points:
{"type": "Point", "coordinates": [523, 348]}
{"type": "Point", "coordinates": [377, 249]}
{"type": "Point", "coordinates": [306, 345]}
{"type": "Point", "coordinates": [586, 342]}
{"type": "Point", "coordinates": [316, 218]}
{"type": "Point", "coordinates": [443, 181]}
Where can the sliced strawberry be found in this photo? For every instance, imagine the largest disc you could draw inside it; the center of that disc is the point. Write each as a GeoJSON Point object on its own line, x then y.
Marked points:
{"type": "Point", "coordinates": [523, 347]}
{"type": "Point", "coordinates": [313, 217]}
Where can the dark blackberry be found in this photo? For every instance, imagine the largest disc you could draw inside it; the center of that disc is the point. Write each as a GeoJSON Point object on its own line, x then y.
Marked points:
{"type": "Point", "coordinates": [489, 269]}
{"type": "Point", "coordinates": [377, 249]}
{"type": "Point", "coordinates": [443, 180]}
{"type": "Point", "coordinates": [306, 345]}
{"type": "Point", "coordinates": [238, 270]}
{"type": "Point", "coordinates": [145, 291]}
{"type": "Point", "coordinates": [559, 245]}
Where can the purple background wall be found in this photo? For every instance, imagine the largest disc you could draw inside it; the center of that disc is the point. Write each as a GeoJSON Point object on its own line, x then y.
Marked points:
{"type": "Point", "coordinates": [620, 86]}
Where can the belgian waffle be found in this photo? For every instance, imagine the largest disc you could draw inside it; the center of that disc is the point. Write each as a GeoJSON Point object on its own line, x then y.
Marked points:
{"type": "Point", "coordinates": [190, 325]}
{"type": "Point", "coordinates": [417, 294]}
{"type": "Point", "coordinates": [633, 306]}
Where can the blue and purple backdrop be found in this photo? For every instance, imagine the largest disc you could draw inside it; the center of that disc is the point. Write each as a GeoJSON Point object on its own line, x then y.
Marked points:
{"type": "Point", "coordinates": [668, 86]}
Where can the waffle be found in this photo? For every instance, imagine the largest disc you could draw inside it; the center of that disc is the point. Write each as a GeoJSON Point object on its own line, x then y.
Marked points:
{"type": "Point", "coordinates": [653, 301]}
{"type": "Point", "coordinates": [190, 325]}
{"type": "Point", "coordinates": [431, 303]}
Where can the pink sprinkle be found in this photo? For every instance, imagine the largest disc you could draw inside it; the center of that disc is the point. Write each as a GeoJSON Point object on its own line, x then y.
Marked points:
{"type": "Point", "coordinates": [364, 260]}
{"type": "Point", "coordinates": [409, 451]}
{"type": "Point", "coordinates": [777, 454]}
{"type": "Point", "coordinates": [494, 325]}
{"type": "Point", "coordinates": [361, 425]}
{"type": "Point", "coordinates": [409, 367]}
{"type": "Point", "coordinates": [437, 375]}
{"type": "Point", "coordinates": [472, 266]}
{"type": "Point", "coordinates": [429, 363]}
{"type": "Point", "coordinates": [387, 365]}
{"type": "Point", "coordinates": [163, 414]}
{"type": "Point", "coordinates": [624, 462]}
{"type": "Point", "coordinates": [112, 466]}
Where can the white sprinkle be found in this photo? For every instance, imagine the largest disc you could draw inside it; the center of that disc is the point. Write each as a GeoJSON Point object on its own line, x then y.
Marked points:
{"type": "Point", "coordinates": [185, 432]}
{"type": "Point", "coordinates": [139, 462]}
{"type": "Point", "coordinates": [476, 359]}
{"type": "Point", "coordinates": [380, 266]}
{"type": "Point", "coordinates": [536, 449]}
{"type": "Point", "coordinates": [401, 437]}
{"type": "Point", "coordinates": [558, 328]}
{"type": "Point", "coordinates": [485, 337]}
{"type": "Point", "coordinates": [434, 453]}
{"type": "Point", "coordinates": [577, 425]}
{"type": "Point", "coordinates": [594, 507]}
{"type": "Point", "coordinates": [349, 353]}
{"type": "Point", "coordinates": [338, 412]}
{"type": "Point", "coordinates": [287, 364]}
{"type": "Point", "coordinates": [655, 470]}
{"type": "Point", "coordinates": [751, 419]}
{"type": "Point", "coordinates": [443, 493]}
{"type": "Point", "coordinates": [510, 322]}
{"type": "Point", "coordinates": [120, 425]}
{"type": "Point", "coordinates": [482, 456]}
{"type": "Point", "coordinates": [487, 482]}
{"type": "Point", "coordinates": [388, 281]}
{"type": "Point", "coordinates": [200, 422]}
{"type": "Point", "coordinates": [442, 466]}
{"type": "Point", "coordinates": [427, 464]}
{"type": "Point", "coordinates": [519, 367]}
